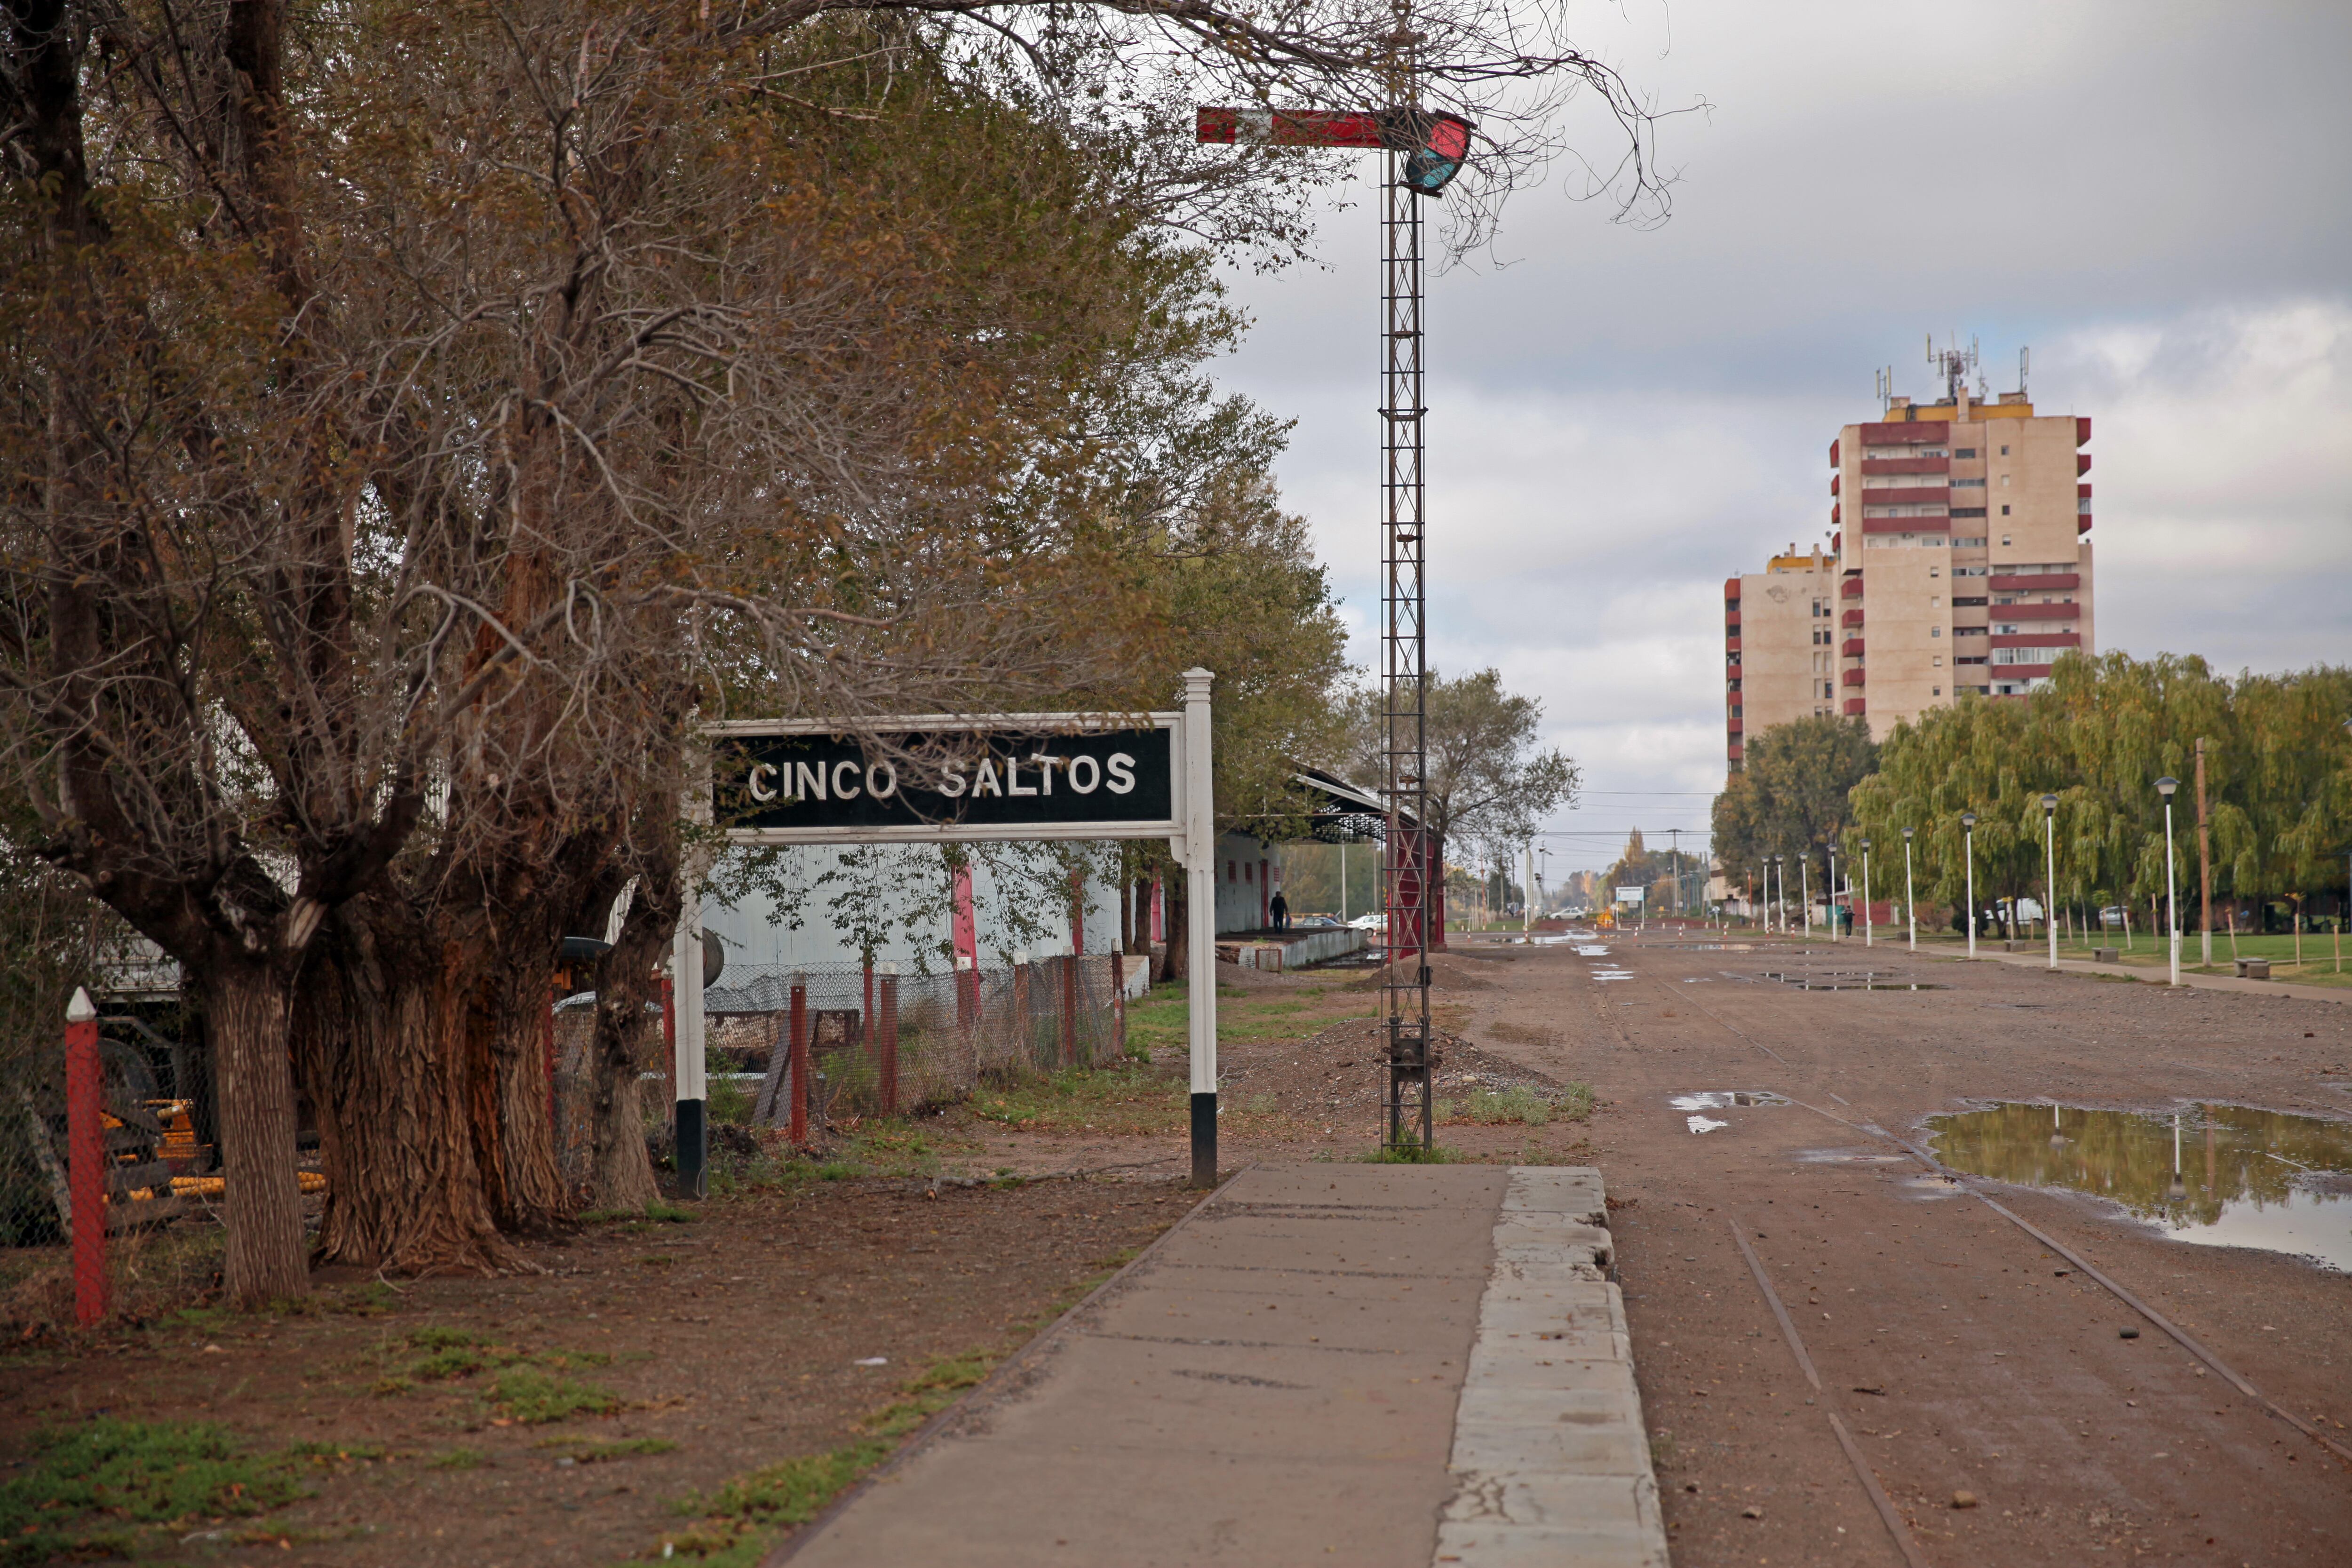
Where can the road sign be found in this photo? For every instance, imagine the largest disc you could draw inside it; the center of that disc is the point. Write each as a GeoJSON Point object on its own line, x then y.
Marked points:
{"type": "Point", "coordinates": [934, 778]}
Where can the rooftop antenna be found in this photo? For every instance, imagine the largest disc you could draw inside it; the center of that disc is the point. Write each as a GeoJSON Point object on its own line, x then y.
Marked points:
{"type": "Point", "coordinates": [1954, 363]}
{"type": "Point", "coordinates": [1886, 382]}
{"type": "Point", "coordinates": [2024, 363]}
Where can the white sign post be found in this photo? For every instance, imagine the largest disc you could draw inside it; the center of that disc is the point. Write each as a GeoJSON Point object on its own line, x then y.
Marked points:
{"type": "Point", "coordinates": [1001, 777]}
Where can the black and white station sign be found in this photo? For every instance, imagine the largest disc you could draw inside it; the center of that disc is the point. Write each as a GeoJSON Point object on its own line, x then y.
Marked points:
{"type": "Point", "coordinates": [973, 783]}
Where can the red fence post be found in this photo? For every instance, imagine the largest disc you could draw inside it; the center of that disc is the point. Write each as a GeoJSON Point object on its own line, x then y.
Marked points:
{"type": "Point", "coordinates": [887, 1038]}
{"type": "Point", "coordinates": [800, 1050]}
{"type": "Point", "coordinates": [86, 1159]}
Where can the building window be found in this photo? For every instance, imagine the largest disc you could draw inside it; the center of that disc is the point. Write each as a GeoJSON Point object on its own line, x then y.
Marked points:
{"type": "Point", "coordinates": [1938, 661]}
{"type": "Point", "coordinates": [1249, 872]}
{"type": "Point", "coordinates": [1964, 451]}
{"type": "Point", "coordinates": [1230, 874]}
{"type": "Point", "coordinates": [1936, 689]}
{"type": "Point", "coordinates": [1935, 631]}
{"type": "Point", "coordinates": [2005, 452]}
{"type": "Point", "coordinates": [2004, 511]}
{"type": "Point", "coordinates": [2004, 538]}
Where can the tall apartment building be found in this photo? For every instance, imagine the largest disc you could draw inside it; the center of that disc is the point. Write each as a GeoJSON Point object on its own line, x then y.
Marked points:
{"type": "Point", "coordinates": [1964, 569]}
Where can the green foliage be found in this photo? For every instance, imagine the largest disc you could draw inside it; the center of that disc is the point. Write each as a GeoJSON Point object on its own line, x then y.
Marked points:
{"type": "Point", "coordinates": [2278, 785]}
{"type": "Point", "coordinates": [1413, 1154]}
{"type": "Point", "coordinates": [88, 1483]}
{"type": "Point", "coordinates": [1489, 783]}
{"type": "Point", "coordinates": [535, 1398]}
{"type": "Point", "coordinates": [1790, 796]}
{"type": "Point", "coordinates": [1128, 1097]}
{"type": "Point", "coordinates": [457, 1459]}
{"type": "Point", "coordinates": [657, 1213]}
{"type": "Point", "coordinates": [735, 1522]}
{"type": "Point", "coordinates": [1519, 1103]}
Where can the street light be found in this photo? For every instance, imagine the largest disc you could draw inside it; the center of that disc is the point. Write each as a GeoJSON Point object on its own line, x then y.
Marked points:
{"type": "Point", "coordinates": [2165, 787]}
{"type": "Point", "coordinates": [1968, 838]}
{"type": "Point", "coordinates": [1782, 902]}
{"type": "Point", "coordinates": [1866, 929]}
{"type": "Point", "coordinates": [1805, 891]}
{"type": "Point", "coordinates": [1910, 910]}
{"type": "Point", "coordinates": [2050, 873]}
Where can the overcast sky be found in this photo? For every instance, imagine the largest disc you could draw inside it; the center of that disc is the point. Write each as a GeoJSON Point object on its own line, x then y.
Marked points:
{"type": "Point", "coordinates": [2156, 197]}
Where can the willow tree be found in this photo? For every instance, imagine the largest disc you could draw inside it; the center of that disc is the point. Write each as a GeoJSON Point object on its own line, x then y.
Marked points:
{"type": "Point", "coordinates": [415, 418]}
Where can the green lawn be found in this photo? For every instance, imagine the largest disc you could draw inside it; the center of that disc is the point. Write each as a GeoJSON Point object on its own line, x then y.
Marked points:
{"type": "Point", "coordinates": [1158, 1021]}
{"type": "Point", "coordinates": [2321, 964]}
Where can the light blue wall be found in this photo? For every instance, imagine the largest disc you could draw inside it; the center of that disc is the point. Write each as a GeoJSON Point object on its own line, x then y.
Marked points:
{"type": "Point", "coordinates": [752, 940]}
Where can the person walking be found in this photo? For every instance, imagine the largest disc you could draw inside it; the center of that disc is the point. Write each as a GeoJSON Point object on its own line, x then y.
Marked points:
{"type": "Point", "coordinates": [1279, 910]}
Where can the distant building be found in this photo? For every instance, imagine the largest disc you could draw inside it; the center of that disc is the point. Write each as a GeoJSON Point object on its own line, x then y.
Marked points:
{"type": "Point", "coordinates": [1964, 569]}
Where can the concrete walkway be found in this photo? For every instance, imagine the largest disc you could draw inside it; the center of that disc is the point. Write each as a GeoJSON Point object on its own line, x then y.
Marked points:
{"type": "Point", "coordinates": [1367, 1364]}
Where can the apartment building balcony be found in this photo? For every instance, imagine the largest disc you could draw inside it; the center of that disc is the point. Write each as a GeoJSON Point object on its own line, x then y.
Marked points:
{"type": "Point", "coordinates": [2042, 583]}
{"type": "Point", "coordinates": [1851, 617]}
{"type": "Point", "coordinates": [1939, 522]}
{"type": "Point", "coordinates": [1855, 707]}
{"type": "Point", "coordinates": [2037, 640]}
{"type": "Point", "coordinates": [1924, 433]}
{"type": "Point", "coordinates": [1875, 465]}
{"type": "Point", "coordinates": [1907, 495]}
{"type": "Point", "coordinates": [1731, 620]}
{"type": "Point", "coordinates": [2065, 611]}
{"type": "Point", "coordinates": [1850, 678]}
{"type": "Point", "coordinates": [1850, 648]}
{"type": "Point", "coordinates": [1851, 588]}
{"type": "Point", "coordinates": [1833, 484]}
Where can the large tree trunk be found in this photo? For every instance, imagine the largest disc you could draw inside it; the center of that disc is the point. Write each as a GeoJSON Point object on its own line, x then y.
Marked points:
{"type": "Point", "coordinates": [510, 1097]}
{"type": "Point", "coordinates": [381, 1035]}
{"type": "Point", "coordinates": [247, 1008]}
{"type": "Point", "coordinates": [621, 1172]}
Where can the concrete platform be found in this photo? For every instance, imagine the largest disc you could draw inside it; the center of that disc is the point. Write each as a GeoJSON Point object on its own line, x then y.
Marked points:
{"type": "Point", "coordinates": [1360, 1364]}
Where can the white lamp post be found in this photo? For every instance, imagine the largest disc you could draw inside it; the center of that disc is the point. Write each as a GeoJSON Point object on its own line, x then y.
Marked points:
{"type": "Point", "coordinates": [2050, 871]}
{"type": "Point", "coordinates": [1867, 939]}
{"type": "Point", "coordinates": [1910, 908]}
{"type": "Point", "coordinates": [2165, 787]}
{"type": "Point", "coordinates": [1805, 891]}
{"type": "Point", "coordinates": [1968, 841]}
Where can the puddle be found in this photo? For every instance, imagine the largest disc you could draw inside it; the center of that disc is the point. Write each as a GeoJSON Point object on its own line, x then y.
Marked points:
{"type": "Point", "coordinates": [2246, 1178]}
{"type": "Point", "coordinates": [1849, 979]}
{"type": "Point", "coordinates": [1608, 975]}
{"type": "Point", "coordinates": [1850, 1157]}
{"type": "Point", "coordinates": [1702, 1125]}
{"type": "Point", "coordinates": [1588, 950]}
{"type": "Point", "coordinates": [1715, 947]}
{"type": "Point", "coordinates": [1725, 1098]}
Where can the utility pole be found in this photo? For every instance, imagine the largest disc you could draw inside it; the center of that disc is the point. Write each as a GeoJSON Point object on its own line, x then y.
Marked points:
{"type": "Point", "coordinates": [2204, 866]}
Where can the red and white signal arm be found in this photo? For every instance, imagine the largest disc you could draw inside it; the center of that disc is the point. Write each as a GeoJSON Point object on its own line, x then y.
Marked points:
{"type": "Point", "coordinates": [1436, 146]}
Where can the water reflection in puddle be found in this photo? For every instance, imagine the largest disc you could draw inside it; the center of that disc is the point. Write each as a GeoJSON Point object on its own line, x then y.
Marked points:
{"type": "Point", "coordinates": [2245, 1178]}
{"type": "Point", "coordinates": [1724, 1098]}
{"type": "Point", "coordinates": [1703, 1123]}
{"type": "Point", "coordinates": [1590, 949]}
{"type": "Point", "coordinates": [1849, 979]}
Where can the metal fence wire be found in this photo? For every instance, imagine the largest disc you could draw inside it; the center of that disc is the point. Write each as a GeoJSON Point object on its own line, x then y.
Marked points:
{"type": "Point", "coordinates": [877, 1044]}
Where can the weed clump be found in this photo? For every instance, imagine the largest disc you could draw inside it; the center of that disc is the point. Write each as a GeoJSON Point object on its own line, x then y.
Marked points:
{"type": "Point", "coordinates": [1520, 1104]}
{"type": "Point", "coordinates": [97, 1489]}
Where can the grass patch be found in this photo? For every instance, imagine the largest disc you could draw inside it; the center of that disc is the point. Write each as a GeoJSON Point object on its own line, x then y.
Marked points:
{"type": "Point", "coordinates": [1519, 1103]}
{"type": "Point", "coordinates": [533, 1398]}
{"type": "Point", "coordinates": [1413, 1154]}
{"type": "Point", "coordinates": [458, 1459]}
{"type": "Point", "coordinates": [1129, 1099]}
{"type": "Point", "coordinates": [735, 1524]}
{"type": "Point", "coordinates": [589, 1451]}
{"type": "Point", "coordinates": [100, 1488]}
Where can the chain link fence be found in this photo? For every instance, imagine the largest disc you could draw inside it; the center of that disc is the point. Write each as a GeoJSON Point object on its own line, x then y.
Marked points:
{"type": "Point", "coordinates": [874, 1043]}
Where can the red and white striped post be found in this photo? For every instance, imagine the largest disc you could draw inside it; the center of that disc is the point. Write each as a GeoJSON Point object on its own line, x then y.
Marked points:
{"type": "Point", "coordinates": [86, 1159]}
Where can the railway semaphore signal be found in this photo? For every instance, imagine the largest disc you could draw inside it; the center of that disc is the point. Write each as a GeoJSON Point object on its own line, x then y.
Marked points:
{"type": "Point", "coordinates": [1426, 151]}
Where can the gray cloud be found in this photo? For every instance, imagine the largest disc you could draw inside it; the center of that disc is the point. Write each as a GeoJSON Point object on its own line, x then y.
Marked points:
{"type": "Point", "coordinates": [2147, 193]}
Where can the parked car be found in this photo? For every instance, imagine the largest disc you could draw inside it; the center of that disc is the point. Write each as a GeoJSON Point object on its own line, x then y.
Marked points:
{"type": "Point", "coordinates": [2112, 915]}
{"type": "Point", "coordinates": [1315, 922]}
{"type": "Point", "coordinates": [1374, 922]}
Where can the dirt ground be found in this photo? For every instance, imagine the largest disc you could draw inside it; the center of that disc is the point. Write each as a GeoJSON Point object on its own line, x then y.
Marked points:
{"type": "Point", "coordinates": [1963, 1356]}
{"type": "Point", "coordinates": [725, 1342]}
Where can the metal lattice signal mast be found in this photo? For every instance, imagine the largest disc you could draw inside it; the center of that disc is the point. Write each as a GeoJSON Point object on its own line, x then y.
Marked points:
{"type": "Point", "coordinates": [1424, 151]}
{"type": "Point", "coordinates": [1404, 640]}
